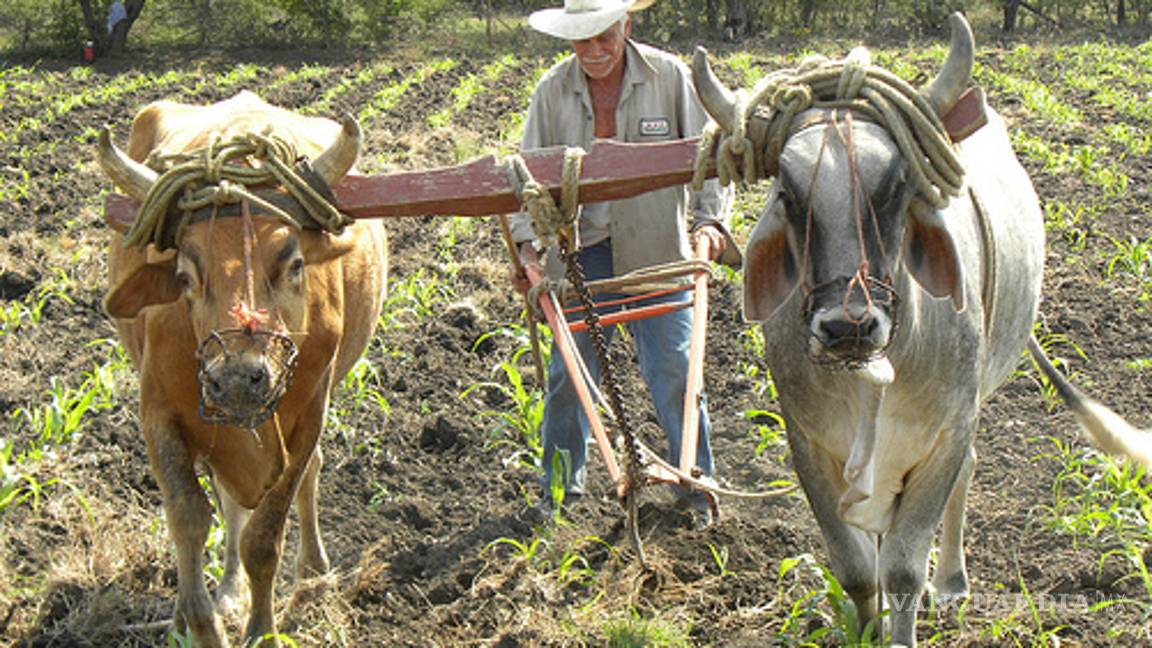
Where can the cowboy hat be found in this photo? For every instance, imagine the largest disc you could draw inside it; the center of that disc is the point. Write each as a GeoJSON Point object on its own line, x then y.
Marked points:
{"type": "Point", "coordinates": [580, 19]}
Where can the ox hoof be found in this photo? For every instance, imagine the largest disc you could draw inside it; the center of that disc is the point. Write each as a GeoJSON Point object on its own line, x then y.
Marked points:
{"type": "Point", "coordinates": [950, 591]}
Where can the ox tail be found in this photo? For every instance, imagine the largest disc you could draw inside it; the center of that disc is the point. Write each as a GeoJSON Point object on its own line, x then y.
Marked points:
{"type": "Point", "coordinates": [1104, 427]}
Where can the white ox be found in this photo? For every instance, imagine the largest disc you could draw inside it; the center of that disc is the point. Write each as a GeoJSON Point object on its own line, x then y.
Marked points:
{"type": "Point", "coordinates": [887, 324]}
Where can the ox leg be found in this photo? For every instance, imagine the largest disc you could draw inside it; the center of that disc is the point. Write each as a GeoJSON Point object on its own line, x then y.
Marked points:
{"type": "Point", "coordinates": [189, 516]}
{"type": "Point", "coordinates": [263, 538]}
{"type": "Point", "coordinates": [904, 553]}
{"type": "Point", "coordinates": [951, 578]}
{"type": "Point", "coordinates": [851, 551]}
{"type": "Point", "coordinates": [311, 560]}
{"type": "Point", "coordinates": [230, 592]}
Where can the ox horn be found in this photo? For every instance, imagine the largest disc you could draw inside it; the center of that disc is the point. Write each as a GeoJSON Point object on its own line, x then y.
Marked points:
{"type": "Point", "coordinates": [130, 176]}
{"type": "Point", "coordinates": [953, 78]}
{"type": "Point", "coordinates": [717, 99]}
{"type": "Point", "coordinates": [339, 158]}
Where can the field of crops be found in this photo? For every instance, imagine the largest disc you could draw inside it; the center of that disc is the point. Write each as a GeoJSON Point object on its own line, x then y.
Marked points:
{"type": "Point", "coordinates": [431, 440]}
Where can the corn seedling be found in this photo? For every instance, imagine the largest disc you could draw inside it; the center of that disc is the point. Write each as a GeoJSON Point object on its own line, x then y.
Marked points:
{"type": "Point", "coordinates": [1133, 258]}
{"type": "Point", "coordinates": [1093, 494]}
{"type": "Point", "coordinates": [57, 421]}
{"type": "Point", "coordinates": [387, 97]}
{"type": "Point", "coordinates": [720, 559]}
{"type": "Point", "coordinates": [1067, 221]}
{"type": "Point", "coordinates": [822, 614]}
{"type": "Point", "coordinates": [519, 425]}
{"type": "Point", "coordinates": [16, 486]}
{"type": "Point", "coordinates": [468, 89]}
{"type": "Point", "coordinates": [771, 431]}
{"type": "Point", "coordinates": [413, 298]}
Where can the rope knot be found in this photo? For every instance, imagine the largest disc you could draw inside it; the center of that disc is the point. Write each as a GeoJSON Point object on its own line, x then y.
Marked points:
{"type": "Point", "coordinates": [226, 193]}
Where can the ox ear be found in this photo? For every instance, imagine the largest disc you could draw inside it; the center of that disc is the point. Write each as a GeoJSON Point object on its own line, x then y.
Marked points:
{"type": "Point", "coordinates": [930, 254]}
{"type": "Point", "coordinates": [150, 285]}
{"type": "Point", "coordinates": [320, 247]}
{"type": "Point", "coordinates": [769, 265]}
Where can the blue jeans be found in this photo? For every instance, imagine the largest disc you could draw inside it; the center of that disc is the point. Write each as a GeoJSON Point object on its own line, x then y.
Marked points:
{"type": "Point", "coordinates": [662, 351]}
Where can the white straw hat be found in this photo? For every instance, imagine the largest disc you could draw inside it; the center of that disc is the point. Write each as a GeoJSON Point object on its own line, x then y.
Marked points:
{"type": "Point", "coordinates": [580, 19]}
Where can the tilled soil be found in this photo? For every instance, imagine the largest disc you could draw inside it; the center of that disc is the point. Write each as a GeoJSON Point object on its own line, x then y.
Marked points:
{"type": "Point", "coordinates": [424, 504]}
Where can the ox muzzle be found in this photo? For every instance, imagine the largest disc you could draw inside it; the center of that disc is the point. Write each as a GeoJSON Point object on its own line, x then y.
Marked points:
{"type": "Point", "coordinates": [850, 321]}
{"type": "Point", "coordinates": [243, 375]}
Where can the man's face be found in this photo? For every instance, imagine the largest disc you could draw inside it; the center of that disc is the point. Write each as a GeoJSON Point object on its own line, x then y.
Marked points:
{"type": "Point", "coordinates": [601, 54]}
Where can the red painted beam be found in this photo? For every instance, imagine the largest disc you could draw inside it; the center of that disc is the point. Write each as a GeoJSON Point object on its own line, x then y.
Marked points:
{"type": "Point", "coordinates": [610, 171]}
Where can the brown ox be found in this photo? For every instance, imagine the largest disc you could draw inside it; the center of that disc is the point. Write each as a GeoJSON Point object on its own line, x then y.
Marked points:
{"type": "Point", "coordinates": [323, 290]}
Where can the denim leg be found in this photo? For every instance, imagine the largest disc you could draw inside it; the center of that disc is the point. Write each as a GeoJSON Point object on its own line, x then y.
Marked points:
{"type": "Point", "coordinates": [662, 351]}
{"type": "Point", "coordinates": [565, 427]}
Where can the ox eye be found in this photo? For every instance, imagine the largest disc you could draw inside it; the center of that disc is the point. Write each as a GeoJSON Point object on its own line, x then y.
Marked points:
{"type": "Point", "coordinates": [184, 280]}
{"type": "Point", "coordinates": [296, 268]}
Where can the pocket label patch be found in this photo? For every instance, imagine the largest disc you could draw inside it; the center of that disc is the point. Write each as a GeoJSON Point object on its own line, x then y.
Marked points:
{"type": "Point", "coordinates": [654, 126]}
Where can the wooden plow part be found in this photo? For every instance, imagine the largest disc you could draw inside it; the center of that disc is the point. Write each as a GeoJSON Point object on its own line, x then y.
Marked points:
{"type": "Point", "coordinates": [610, 171]}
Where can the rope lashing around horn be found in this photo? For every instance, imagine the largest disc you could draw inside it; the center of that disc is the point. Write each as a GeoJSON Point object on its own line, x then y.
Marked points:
{"type": "Point", "coordinates": [207, 176]}
{"type": "Point", "coordinates": [752, 151]}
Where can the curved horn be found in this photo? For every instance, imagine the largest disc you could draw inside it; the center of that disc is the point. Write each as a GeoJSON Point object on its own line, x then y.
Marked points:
{"type": "Point", "coordinates": [953, 78]}
{"type": "Point", "coordinates": [130, 176]}
{"type": "Point", "coordinates": [339, 158]}
{"type": "Point", "coordinates": [717, 99]}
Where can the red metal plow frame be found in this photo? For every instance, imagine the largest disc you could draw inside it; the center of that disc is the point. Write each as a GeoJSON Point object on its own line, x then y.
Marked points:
{"type": "Point", "coordinates": [656, 469]}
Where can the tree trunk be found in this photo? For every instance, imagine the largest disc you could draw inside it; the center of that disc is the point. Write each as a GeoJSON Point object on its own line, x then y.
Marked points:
{"type": "Point", "coordinates": [1010, 7]}
{"type": "Point", "coordinates": [205, 22]}
{"type": "Point", "coordinates": [93, 25]}
{"type": "Point", "coordinates": [1121, 14]}
{"type": "Point", "coordinates": [119, 36]}
{"type": "Point", "coordinates": [740, 19]}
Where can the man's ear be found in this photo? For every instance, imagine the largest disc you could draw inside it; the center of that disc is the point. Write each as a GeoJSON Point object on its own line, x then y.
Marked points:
{"type": "Point", "coordinates": [770, 272]}
{"type": "Point", "coordinates": [151, 284]}
{"type": "Point", "coordinates": [930, 254]}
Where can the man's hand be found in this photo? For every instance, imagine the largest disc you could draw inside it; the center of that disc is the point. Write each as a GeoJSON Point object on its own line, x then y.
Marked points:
{"type": "Point", "coordinates": [516, 275]}
{"type": "Point", "coordinates": [716, 240]}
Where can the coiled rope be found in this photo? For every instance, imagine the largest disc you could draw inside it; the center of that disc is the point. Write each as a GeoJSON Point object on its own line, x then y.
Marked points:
{"type": "Point", "coordinates": [752, 150]}
{"type": "Point", "coordinates": [208, 176]}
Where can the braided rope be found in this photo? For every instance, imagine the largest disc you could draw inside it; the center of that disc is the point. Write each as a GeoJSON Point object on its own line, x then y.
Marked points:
{"type": "Point", "coordinates": [549, 222]}
{"type": "Point", "coordinates": [208, 176]}
{"type": "Point", "coordinates": [852, 83]}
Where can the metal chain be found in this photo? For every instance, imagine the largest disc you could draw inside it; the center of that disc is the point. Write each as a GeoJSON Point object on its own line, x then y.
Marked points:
{"type": "Point", "coordinates": [633, 467]}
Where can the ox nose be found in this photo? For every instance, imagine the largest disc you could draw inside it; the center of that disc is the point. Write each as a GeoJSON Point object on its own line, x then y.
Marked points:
{"type": "Point", "coordinates": [848, 336]}
{"type": "Point", "coordinates": [240, 382]}
{"type": "Point", "coordinates": [840, 330]}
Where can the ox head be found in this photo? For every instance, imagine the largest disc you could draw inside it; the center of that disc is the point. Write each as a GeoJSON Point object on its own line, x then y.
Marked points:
{"type": "Point", "coordinates": [249, 310]}
{"type": "Point", "coordinates": [842, 220]}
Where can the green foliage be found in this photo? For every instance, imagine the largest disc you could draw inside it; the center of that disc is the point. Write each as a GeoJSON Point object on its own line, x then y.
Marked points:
{"type": "Point", "coordinates": [517, 426]}
{"type": "Point", "coordinates": [1133, 258]}
{"type": "Point", "coordinates": [821, 614]}
{"type": "Point", "coordinates": [634, 631]}
{"type": "Point", "coordinates": [1093, 495]}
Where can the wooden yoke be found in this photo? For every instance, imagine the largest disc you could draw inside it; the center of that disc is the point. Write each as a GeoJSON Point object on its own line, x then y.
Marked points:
{"type": "Point", "coordinates": [610, 171]}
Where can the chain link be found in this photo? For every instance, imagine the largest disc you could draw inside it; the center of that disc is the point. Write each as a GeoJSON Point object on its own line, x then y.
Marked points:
{"type": "Point", "coordinates": [634, 471]}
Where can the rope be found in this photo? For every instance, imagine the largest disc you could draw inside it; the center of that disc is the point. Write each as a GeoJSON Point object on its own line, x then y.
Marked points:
{"type": "Point", "coordinates": [549, 223]}
{"type": "Point", "coordinates": [752, 150]}
{"type": "Point", "coordinates": [636, 282]}
{"type": "Point", "coordinates": [209, 176]}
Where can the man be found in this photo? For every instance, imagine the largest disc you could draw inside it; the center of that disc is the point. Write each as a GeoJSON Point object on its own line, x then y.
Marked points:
{"type": "Point", "coordinates": [615, 88]}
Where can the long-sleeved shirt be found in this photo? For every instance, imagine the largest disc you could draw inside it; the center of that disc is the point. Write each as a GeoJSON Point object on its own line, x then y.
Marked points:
{"type": "Point", "coordinates": [657, 102]}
